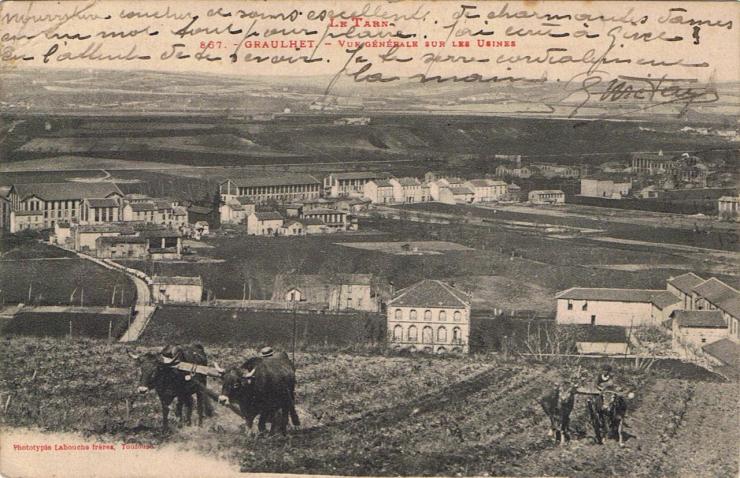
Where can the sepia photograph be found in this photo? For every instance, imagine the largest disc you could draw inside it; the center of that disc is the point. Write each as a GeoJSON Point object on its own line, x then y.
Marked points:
{"type": "Point", "coordinates": [369, 238]}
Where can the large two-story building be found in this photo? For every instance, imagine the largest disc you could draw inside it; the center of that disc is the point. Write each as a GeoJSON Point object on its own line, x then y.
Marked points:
{"type": "Point", "coordinates": [286, 188]}
{"type": "Point", "coordinates": [620, 307]}
{"type": "Point", "coordinates": [350, 184]}
{"type": "Point", "coordinates": [41, 205]}
{"type": "Point", "coordinates": [430, 316]}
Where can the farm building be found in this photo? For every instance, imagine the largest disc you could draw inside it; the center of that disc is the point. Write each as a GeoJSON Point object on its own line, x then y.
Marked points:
{"type": "Point", "coordinates": [605, 188]}
{"type": "Point", "coordinates": [604, 340]}
{"type": "Point", "coordinates": [174, 289]}
{"type": "Point", "coordinates": [429, 316]}
{"type": "Point", "coordinates": [379, 191]}
{"type": "Point", "coordinates": [713, 294]}
{"type": "Point", "coordinates": [692, 329]}
{"type": "Point", "coordinates": [162, 243]}
{"type": "Point", "coordinates": [264, 223]}
{"type": "Point", "coordinates": [154, 211]}
{"type": "Point", "coordinates": [681, 286]}
{"type": "Point", "coordinates": [62, 234]}
{"type": "Point", "coordinates": [314, 225]}
{"type": "Point", "coordinates": [729, 208]}
{"type": "Point", "coordinates": [513, 193]}
{"type": "Point", "coordinates": [41, 205]}
{"type": "Point", "coordinates": [724, 352]}
{"type": "Point", "coordinates": [200, 213]}
{"type": "Point", "coordinates": [292, 227]}
{"type": "Point", "coordinates": [84, 236]}
{"type": "Point", "coordinates": [286, 188]}
{"type": "Point", "coordinates": [620, 307]}
{"type": "Point", "coordinates": [121, 247]}
{"type": "Point", "coordinates": [236, 210]}
{"type": "Point", "coordinates": [547, 196]}
{"type": "Point", "coordinates": [350, 183]}
{"type": "Point", "coordinates": [335, 292]}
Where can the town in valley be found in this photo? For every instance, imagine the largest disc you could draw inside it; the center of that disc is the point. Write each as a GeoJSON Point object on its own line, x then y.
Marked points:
{"type": "Point", "coordinates": [449, 289]}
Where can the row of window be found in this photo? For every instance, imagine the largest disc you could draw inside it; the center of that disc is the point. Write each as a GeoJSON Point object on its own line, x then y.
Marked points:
{"type": "Point", "coordinates": [427, 335]}
{"type": "Point", "coordinates": [442, 316]}
{"type": "Point", "coordinates": [278, 189]}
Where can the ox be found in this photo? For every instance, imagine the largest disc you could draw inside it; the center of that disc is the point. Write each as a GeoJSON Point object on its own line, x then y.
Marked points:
{"type": "Point", "coordinates": [263, 386]}
{"type": "Point", "coordinates": [558, 405]}
{"type": "Point", "coordinates": [158, 373]}
{"type": "Point", "coordinates": [607, 411]}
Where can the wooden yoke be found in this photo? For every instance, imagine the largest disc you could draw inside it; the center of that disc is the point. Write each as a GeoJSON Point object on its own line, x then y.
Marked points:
{"type": "Point", "coordinates": [199, 369]}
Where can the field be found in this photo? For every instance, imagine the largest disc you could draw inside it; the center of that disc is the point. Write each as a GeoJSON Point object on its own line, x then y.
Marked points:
{"type": "Point", "coordinates": [38, 274]}
{"type": "Point", "coordinates": [210, 325]}
{"type": "Point", "coordinates": [63, 324]}
{"type": "Point", "coordinates": [408, 248]}
{"type": "Point", "coordinates": [388, 415]}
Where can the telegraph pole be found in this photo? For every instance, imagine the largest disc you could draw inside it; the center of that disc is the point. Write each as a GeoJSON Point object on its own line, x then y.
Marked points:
{"type": "Point", "coordinates": [294, 333]}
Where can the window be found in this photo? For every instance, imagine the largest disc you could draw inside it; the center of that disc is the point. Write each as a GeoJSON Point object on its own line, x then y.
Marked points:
{"type": "Point", "coordinates": [412, 334]}
{"type": "Point", "coordinates": [456, 335]}
{"type": "Point", "coordinates": [412, 314]}
{"type": "Point", "coordinates": [593, 320]}
{"type": "Point", "coordinates": [703, 340]}
{"type": "Point", "coordinates": [427, 335]}
{"type": "Point", "coordinates": [441, 334]}
{"type": "Point", "coordinates": [399, 314]}
{"type": "Point", "coordinates": [457, 316]}
{"type": "Point", "coordinates": [398, 333]}
{"type": "Point", "coordinates": [427, 315]}
{"type": "Point", "coordinates": [585, 306]}
{"type": "Point", "coordinates": [570, 304]}
{"type": "Point", "coordinates": [442, 315]}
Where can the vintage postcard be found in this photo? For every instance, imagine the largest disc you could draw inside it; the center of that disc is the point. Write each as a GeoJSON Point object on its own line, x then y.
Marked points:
{"type": "Point", "coordinates": [369, 238]}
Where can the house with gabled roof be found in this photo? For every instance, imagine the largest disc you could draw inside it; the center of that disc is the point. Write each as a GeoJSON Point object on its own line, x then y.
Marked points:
{"type": "Point", "coordinates": [264, 223]}
{"type": "Point", "coordinates": [693, 329]}
{"type": "Point", "coordinates": [713, 294]}
{"type": "Point", "coordinates": [681, 286]}
{"type": "Point", "coordinates": [430, 316]}
{"type": "Point", "coordinates": [621, 307]}
{"type": "Point", "coordinates": [379, 191]}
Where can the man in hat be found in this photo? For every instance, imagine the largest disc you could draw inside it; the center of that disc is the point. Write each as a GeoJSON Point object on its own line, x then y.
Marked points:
{"type": "Point", "coordinates": [605, 380]}
{"type": "Point", "coordinates": [266, 352]}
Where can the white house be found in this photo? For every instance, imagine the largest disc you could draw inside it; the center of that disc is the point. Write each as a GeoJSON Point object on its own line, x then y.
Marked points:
{"type": "Point", "coordinates": [379, 191]}
{"type": "Point", "coordinates": [486, 190]}
{"type": "Point", "coordinates": [264, 223]}
{"type": "Point", "coordinates": [409, 190]}
{"type": "Point", "coordinates": [173, 289]}
{"type": "Point", "coordinates": [235, 210]}
{"type": "Point", "coordinates": [430, 316]}
{"type": "Point", "coordinates": [621, 307]}
{"type": "Point", "coordinates": [693, 329]}
{"type": "Point", "coordinates": [547, 196]}
{"type": "Point", "coordinates": [292, 227]}
{"type": "Point", "coordinates": [350, 183]}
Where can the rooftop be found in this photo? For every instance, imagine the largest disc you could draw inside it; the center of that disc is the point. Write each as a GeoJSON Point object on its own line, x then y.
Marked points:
{"type": "Point", "coordinates": [457, 190]}
{"type": "Point", "coordinates": [726, 351]}
{"type": "Point", "coordinates": [322, 210]}
{"type": "Point", "coordinates": [200, 209]}
{"type": "Point", "coordinates": [383, 183]}
{"type": "Point", "coordinates": [547, 191]}
{"type": "Point", "coordinates": [408, 181]}
{"type": "Point", "coordinates": [268, 216]}
{"type": "Point", "coordinates": [66, 191]}
{"type": "Point", "coordinates": [281, 180]}
{"type": "Point", "coordinates": [110, 227]}
{"type": "Point", "coordinates": [97, 203]}
{"type": "Point", "coordinates": [313, 280]}
{"type": "Point", "coordinates": [176, 280]}
{"type": "Point", "coordinates": [660, 298]}
{"type": "Point", "coordinates": [121, 240]}
{"type": "Point", "coordinates": [430, 293]}
{"type": "Point", "coordinates": [360, 175]}
{"type": "Point", "coordinates": [707, 319]}
{"type": "Point", "coordinates": [685, 282]}
{"type": "Point", "coordinates": [720, 295]}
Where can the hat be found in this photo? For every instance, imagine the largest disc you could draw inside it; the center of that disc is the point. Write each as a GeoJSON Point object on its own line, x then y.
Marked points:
{"type": "Point", "coordinates": [266, 352]}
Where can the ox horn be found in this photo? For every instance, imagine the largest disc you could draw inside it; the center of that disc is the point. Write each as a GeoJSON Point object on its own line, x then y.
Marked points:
{"type": "Point", "coordinates": [218, 369]}
{"type": "Point", "coordinates": [133, 355]}
{"type": "Point", "coordinates": [248, 374]}
{"type": "Point", "coordinates": [166, 360]}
